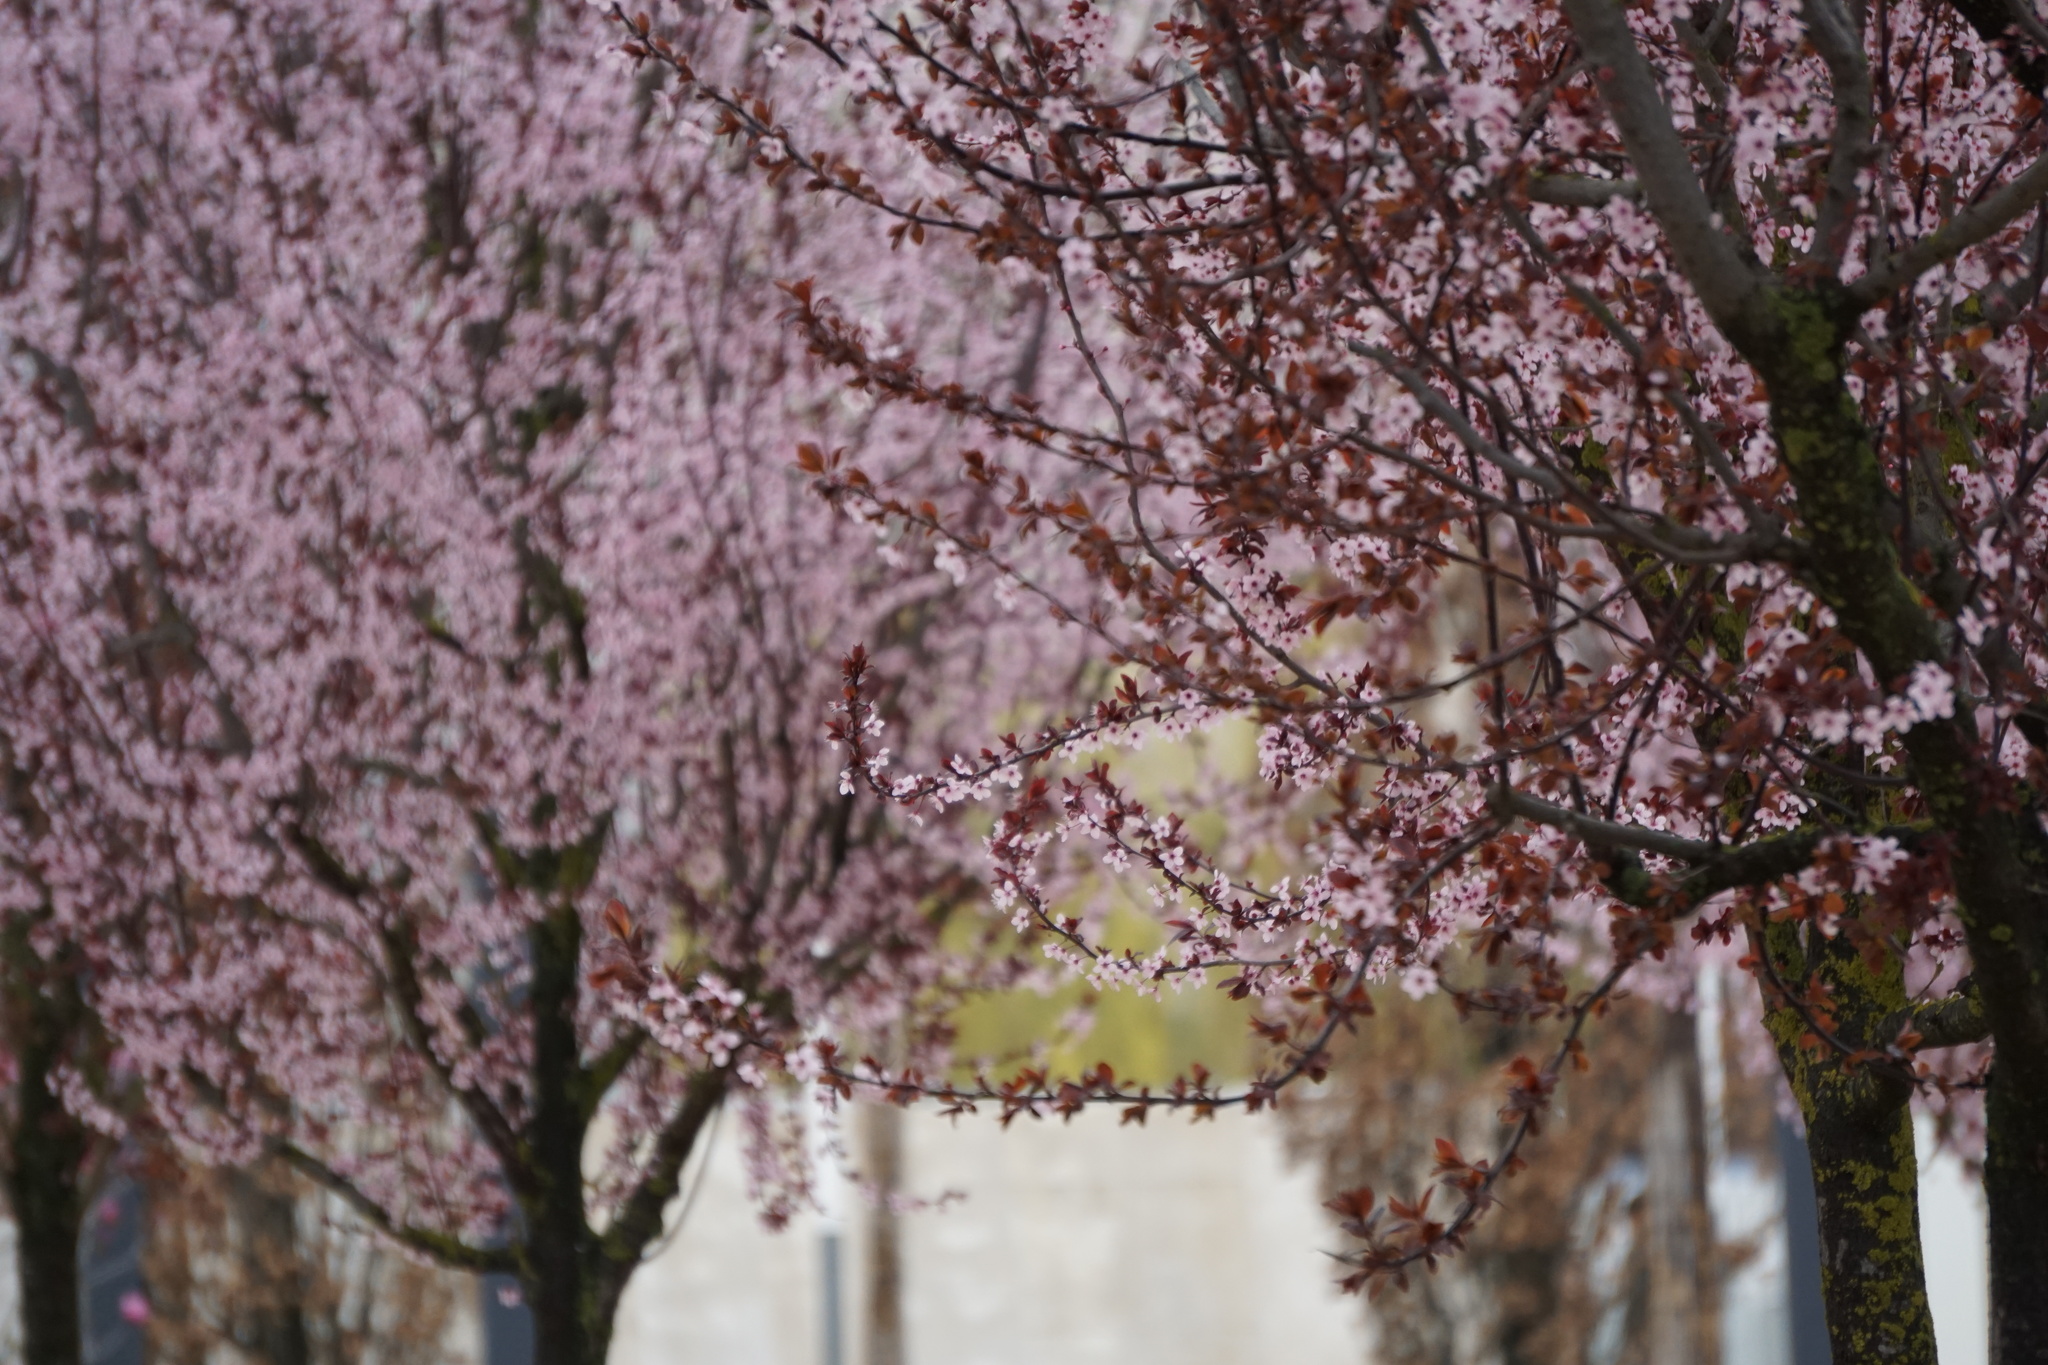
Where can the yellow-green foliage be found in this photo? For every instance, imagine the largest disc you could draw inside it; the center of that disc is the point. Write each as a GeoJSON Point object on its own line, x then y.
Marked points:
{"type": "Point", "coordinates": [1146, 1039]}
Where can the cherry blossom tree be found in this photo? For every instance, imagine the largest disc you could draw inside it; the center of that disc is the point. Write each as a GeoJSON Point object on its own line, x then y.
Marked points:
{"type": "Point", "coordinates": [1598, 446]}
{"type": "Point", "coordinates": [65, 856]}
{"type": "Point", "coordinates": [406, 562]}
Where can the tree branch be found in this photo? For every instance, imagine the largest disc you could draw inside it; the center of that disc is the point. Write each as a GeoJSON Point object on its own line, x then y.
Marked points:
{"type": "Point", "coordinates": [639, 1220]}
{"type": "Point", "coordinates": [1580, 191]}
{"type": "Point", "coordinates": [398, 945]}
{"type": "Point", "coordinates": [1951, 1021]}
{"type": "Point", "coordinates": [1714, 868]}
{"type": "Point", "coordinates": [446, 1248]}
{"type": "Point", "coordinates": [600, 1075]}
{"type": "Point", "coordinates": [1834, 34]}
{"type": "Point", "coordinates": [1600, 833]}
{"type": "Point", "coordinates": [1979, 222]}
{"type": "Point", "coordinates": [1662, 537]}
{"type": "Point", "coordinates": [1730, 286]}
{"type": "Point", "coordinates": [491, 1122]}
{"type": "Point", "coordinates": [2002, 24]}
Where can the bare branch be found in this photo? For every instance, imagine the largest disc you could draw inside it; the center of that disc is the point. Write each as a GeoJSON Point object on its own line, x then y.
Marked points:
{"type": "Point", "coordinates": [1580, 191]}
{"type": "Point", "coordinates": [1714, 868]}
{"type": "Point", "coordinates": [1601, 833]}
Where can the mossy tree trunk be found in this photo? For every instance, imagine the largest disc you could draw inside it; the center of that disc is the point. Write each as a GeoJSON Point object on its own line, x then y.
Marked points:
{"type": "Point", "coordinates": [2000, 860]}
{"type": "Point", "coordinates": [1859, 1134]}
{"type": "Point", "coordinates": [1794, 324]}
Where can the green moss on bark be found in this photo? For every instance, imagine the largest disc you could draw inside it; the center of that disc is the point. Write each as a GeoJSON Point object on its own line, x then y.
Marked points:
{"type": "Point", "coordinates": [1859, 1133]}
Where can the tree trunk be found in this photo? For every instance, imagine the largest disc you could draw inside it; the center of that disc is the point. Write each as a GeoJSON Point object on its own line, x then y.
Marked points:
{"type": "Point", "coordinates": [2009, 958]}
{"type": "Point", "coordinates": [882, 1127]}
{"type": "Point", "coordinates": [49, 1149]}
{"type": "Point", "coordinates": [2016, 1194]}
{"type": "Point", "coordinates": [564, 1329]}
{"type": "Point", "coordinates": [561, 1280]}
{"type": "Point", "coordinates": [1797, 341]}
{"type": "Point", "coordinates": [1859, 1133]}
{"type": "Point", "coordinates": [1680, 1242]}
{"type": "Point", "coordinates": [274, 1268]}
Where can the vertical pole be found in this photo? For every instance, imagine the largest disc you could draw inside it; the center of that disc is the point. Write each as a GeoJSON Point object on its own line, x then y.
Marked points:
{"type": "Point", "coordinates": [1802, 1250]}
{"type": "Point", "coordinates": [110, 1270]}
{"type": "Point", "coordinates": [829, 1307]}
{"type": "Point", "coordinates": [829, 1172]}
{"type": "Point", "coordinates": [507, 1321]}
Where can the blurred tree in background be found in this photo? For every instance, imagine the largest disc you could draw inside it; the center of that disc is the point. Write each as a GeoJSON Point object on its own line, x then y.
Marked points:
{"type": "Point", "coordinates": [257, 1266]}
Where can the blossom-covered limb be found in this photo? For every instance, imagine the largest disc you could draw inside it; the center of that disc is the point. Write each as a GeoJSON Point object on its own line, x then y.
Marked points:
{"type": "Point", "coordinates": [1979, 221]}
{"type": "Point", "coordinates": [1406, 417]}
{"type": "Point", "coordinates": [1718, 267]}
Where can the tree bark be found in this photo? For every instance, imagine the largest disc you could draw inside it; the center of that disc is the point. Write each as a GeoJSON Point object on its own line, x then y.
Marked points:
{"type": "Point", "coordinates": [2000, 857]}
{"type": "Point", "coordinates": [559, 1249]}
{"type": "Point", "coordinates": [1859, 1133]}
{"type": "Point", "coordinates": [1795, 335]}
{"type": "Point", "coordinates": [882, 1127]}
{"type": "Point", "coordinates": [571, 1275]}
{"type": "Point", "coordinates": [2016, 1193]}
{"type": "Point", "coordinates": [50, 1148]}
{"type": "Point", "coordinates": [1680, 1243]}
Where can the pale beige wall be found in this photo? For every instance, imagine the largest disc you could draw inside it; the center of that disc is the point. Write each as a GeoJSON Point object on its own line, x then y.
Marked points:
{"type": "Point", "coordinates": [1078, 1244]}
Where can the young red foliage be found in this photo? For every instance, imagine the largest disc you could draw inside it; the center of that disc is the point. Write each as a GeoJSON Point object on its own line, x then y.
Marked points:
{"type": "Point", "coordinates": [1599, 449]}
